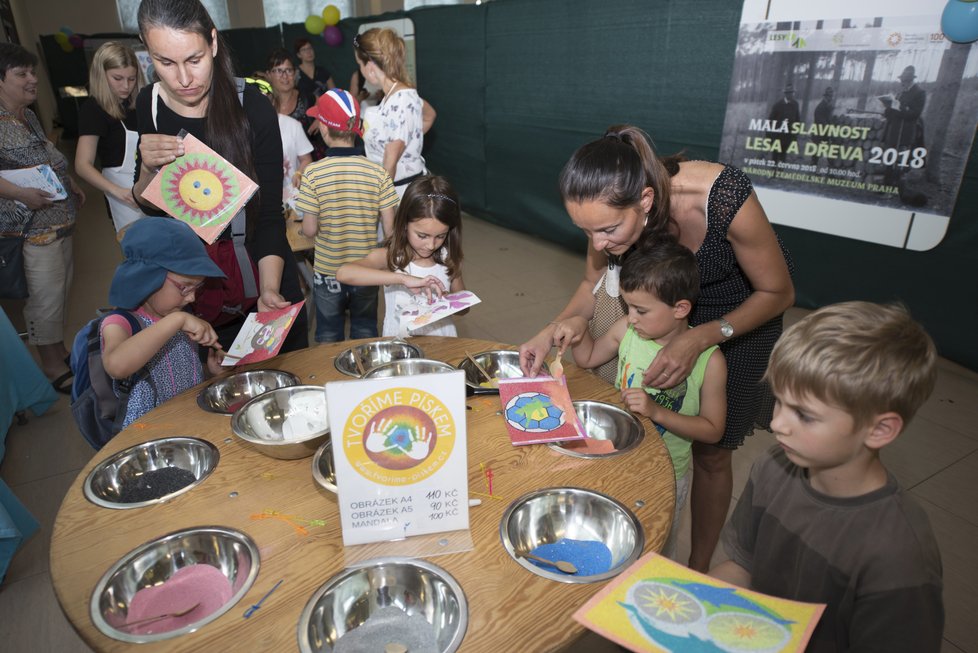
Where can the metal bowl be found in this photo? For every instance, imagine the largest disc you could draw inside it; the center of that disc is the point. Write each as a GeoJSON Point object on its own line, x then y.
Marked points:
{"type": "Point", "coordinates": [409, 367]}
{"type": "Point", "coordinates": [227, 394]}
{"type": "Point", "coordinates": [548, 515]}
{"type": "Point", "coordinates": [104, 484]}
{"type": "Point", "coordinates": [604, 422]}
{"type": "Point", "coordinates": [264, 421]}
{"type": "Point", "coordinates": [230, 551]}
{"type": "Point", "coordinates": [417, 587]}
{"type": "Point", "coordinates": [498, 363]}
{"type": "Point", "coordinates": [373, 354]}
{"type": "Point", "coordinates": [323, 469]}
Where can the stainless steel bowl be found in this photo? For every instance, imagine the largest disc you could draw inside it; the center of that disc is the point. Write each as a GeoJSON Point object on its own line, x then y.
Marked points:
{"type": "Point", "coordinates": [227, 394]}
{"type": "Point", "coordinates": [323, 469]}
{"type": "Point", "coordinates": [373, 354]}
{"type": "Point", "coordinates": [417, 587]}
{"type": "Point", "coordinates": [264, 421]}
{"type": "Point", "coordinates": [230, 551]}
{"type": "Point", "coordinates": [604, 422]}
{"type": "Point", "coordinates": [409, 367]}
{"type": "Point", "coordinates": [548, 515]}
{"type": "Point", "coordinates": [498, 363]}
{"type": "Point", "coordinates": [104, 483]}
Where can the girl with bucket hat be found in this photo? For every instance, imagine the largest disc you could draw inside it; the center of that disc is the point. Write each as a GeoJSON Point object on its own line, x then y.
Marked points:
{"type": "Point", "coordinates": [165, 264]}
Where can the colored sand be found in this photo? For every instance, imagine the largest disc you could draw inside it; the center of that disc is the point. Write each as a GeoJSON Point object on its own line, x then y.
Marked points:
{"type": "Point", "coordinates": [203, 585]}
{"type": "Point", "coordinates": [590, 558]}
{"type": "Point", "coordinates": [389, 625]}
{"type": "Point", "coordinates": [155, 484]}
{"type": "Point", "coordinates": [592, 446]}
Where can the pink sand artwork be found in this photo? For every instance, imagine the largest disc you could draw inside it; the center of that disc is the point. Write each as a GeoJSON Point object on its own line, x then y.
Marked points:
{"type": "Point", "coordinates": [657, 605]}
{"type": "Point", "coordinates": [539, 410]}
{"type": "Point", "coordinates": [419, 314]}
{"type": "Point", "coordinates": [261, 336]}
{"type": "Point", "coordinates": [196, 591]}
{"type": "Point", "coordinates": [200, 188]}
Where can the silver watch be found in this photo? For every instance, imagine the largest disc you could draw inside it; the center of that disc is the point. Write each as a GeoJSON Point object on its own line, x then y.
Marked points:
{"type": "Point", "coordinates": [726, 329]}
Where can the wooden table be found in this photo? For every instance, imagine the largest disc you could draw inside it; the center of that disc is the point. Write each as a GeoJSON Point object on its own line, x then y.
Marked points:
{"type": "Point", "coordinates": [510, 609]}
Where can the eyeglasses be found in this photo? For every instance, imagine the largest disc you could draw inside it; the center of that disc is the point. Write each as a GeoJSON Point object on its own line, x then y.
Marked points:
{"type": "Point", "coordinates": [186, 289]}
{"type": "Point", "coordinates": [283, 72]}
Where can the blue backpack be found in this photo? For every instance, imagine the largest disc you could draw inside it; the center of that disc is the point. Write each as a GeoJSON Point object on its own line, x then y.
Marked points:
{"type": "Point", "coordinates": [98, 409]}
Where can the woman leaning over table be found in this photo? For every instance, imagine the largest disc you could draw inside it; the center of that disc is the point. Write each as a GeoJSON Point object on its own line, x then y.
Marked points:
{"type": "Point", "coordinates": [46, 224]}
{"type": "Point", "coordinates": [618, 191]}
{"type": "Point", "coordinates": [107, 130]}
{"type": "Point", "coordinates": [197, 92]}
{"type": "Point", "coordinates": [394, 130]}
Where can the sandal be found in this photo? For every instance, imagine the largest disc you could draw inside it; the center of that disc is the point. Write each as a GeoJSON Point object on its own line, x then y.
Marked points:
{"type": "Point", "coordinates": [64, 382]}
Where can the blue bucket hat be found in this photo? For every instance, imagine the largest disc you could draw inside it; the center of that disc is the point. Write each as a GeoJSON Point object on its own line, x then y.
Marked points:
{"type": "Point", "coordinates": [152, 247]}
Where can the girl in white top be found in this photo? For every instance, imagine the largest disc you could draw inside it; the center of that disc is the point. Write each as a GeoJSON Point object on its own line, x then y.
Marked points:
{"type": "Point", "coordinates": [421, 260]}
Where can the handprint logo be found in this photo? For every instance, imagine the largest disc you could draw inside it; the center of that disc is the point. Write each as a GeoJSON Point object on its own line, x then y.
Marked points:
{"type": "Point", "coordinates": [399, 437]}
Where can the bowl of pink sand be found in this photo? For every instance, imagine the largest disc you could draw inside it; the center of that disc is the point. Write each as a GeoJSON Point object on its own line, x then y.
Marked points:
{"type": "Point", "coordinates": [610, 431]}
{"type": "Point", "coordinates": [175, 584]}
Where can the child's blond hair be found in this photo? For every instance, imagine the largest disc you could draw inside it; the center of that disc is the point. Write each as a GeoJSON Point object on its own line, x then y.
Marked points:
{"type": "Point", "coordinates": [863, 358]}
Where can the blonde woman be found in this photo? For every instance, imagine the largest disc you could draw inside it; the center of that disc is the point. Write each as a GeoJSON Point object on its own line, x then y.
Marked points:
{"type": "Point", "coordinates": [394, 129]}
{"type": "Point", "coordinates": [107, 130]}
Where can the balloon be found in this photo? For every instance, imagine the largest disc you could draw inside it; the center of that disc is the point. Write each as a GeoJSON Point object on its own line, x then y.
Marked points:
{"type": "Point", "coordinates": [67, 30]}
{"type": "Point", "coordinates": [333, 36]}
{"type": "Point", "coordinates": [76, 41]}
{"type": "Point", "coordinates": [314, 24]}
{"type": "Point", "coordinates": [62, 39]}
{"type": "Point", "coordinates": [331, 15]}
{"type": "Point", "coordinates": [959, 22]}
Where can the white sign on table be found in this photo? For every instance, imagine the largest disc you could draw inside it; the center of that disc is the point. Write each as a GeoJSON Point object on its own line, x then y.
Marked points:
{"type": "Point", "coordinates": [399, 452]}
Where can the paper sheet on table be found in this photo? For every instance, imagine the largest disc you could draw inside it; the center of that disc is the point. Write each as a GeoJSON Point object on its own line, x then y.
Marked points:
{"type": "Point", "coordinates": [539, 410]}
{"type": "Point", "coordinates": [200, 188]}
{"type": "Point", "coordinates": [658, 605]}
{"type": "Point", "coordinates": [420, 313]}
{"type": "Point", "coordinates": [261, 336]}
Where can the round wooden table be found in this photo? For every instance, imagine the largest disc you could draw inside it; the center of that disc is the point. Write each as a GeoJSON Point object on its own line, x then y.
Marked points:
{"type": "Point", "coordinates": [510, 609]}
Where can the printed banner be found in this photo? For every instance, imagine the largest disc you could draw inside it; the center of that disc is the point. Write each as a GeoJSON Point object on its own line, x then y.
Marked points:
{"type": "Point", "coordinates": [874, 111]}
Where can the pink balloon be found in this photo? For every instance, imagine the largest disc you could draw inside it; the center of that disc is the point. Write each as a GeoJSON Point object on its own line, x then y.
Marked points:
{"type": "Point", "coordinates": [333, 36]}
{"type": "Point", "coordinates": [76, 40]}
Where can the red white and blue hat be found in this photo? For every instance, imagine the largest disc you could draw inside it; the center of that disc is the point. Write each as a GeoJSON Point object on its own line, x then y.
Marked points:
{"type": "Point", "coordinates": [339, 110]}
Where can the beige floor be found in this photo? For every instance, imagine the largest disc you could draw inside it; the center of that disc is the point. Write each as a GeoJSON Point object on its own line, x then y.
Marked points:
{"type": "Point", "coordinates": [523, 283]}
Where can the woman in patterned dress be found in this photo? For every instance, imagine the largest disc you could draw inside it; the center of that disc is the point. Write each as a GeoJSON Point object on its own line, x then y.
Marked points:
{"type": "Point", "coordinates": [618, 191]}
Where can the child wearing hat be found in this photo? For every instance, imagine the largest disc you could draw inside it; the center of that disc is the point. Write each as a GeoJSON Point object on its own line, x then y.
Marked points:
{"type": "Point", "coordinates": [341, 198]}
{"type": "Point", "coordinates": [165, 264]}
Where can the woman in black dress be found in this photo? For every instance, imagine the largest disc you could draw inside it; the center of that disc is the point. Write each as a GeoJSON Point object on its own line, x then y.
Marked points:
{"type": "Point", "coordinates": [313, 80]}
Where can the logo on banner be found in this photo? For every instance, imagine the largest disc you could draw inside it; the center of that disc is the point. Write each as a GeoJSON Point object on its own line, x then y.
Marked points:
{"type": "Point", "coordinates": [399, 436]}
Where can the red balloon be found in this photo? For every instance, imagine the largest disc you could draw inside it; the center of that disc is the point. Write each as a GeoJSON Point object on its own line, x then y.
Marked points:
{"type": "Point", "coordinates": [333, 36]}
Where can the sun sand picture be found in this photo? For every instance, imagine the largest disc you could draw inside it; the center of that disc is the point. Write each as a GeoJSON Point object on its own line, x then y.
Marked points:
{"type": "Point", "coordinates": [658, 605]}
{"type": "Point", "coordinates": [200, 188]}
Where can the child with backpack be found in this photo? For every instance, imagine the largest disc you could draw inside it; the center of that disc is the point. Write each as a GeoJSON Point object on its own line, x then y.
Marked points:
{"type": "Point", "coordinates": [149, 348]}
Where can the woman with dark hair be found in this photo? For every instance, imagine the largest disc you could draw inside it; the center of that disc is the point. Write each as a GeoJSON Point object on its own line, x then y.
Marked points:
{"type": "Point", "coordinates": [198, 92]}
{"type": "Point", "coordinates": [290, 100]}
{"type": "Point", "coordinates": [619, 192]}
{"type": "Point", "coordinates": [107, 129]}
{"type": "Point", "coordinates": [45, 223]}
{"type": "Point", "coordinates": [313, 80]}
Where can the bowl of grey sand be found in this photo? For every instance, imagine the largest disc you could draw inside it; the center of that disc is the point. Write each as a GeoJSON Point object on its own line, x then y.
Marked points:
{"type": "Point", "coordinates": [373, 354]}
{"type": "Point", "coordinates": [610, 431]}
{"type": "Point", "coordinates": [229, 393]}
{"type": "Point", "coordinates": [150, 473]}
{"type": "Point", "coordinates": [385, 604]}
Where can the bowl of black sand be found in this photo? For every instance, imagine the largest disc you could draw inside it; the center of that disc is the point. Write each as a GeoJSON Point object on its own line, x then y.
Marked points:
{"type": "Point", "coordinates": [385, 603]}
{"type": "Point", "coordinates": [150, 473]}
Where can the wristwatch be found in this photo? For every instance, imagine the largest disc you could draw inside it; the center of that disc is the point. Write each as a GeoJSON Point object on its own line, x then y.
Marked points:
{"type": "Point", "coordinates": [726, 329]}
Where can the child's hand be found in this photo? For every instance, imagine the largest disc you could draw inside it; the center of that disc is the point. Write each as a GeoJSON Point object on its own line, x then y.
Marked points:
{"type": "Point", "coordinates": [198, 330]}
{"type": "Point", "coordinates": [569, 332]}
{"type": "Point", "coordinates": [214, 357]}
{"type": "Point", "coordinates": [638, 401]}
{"type": "Point", "coordinates": [430, 285]}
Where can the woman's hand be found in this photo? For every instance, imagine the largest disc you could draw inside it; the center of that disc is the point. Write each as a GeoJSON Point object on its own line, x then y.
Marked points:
{"type": "Point", "coordinates": [77, 191]}
{"type": "Point", "coordinates": [124, 195]}
{"type": "Point", "coordinates": [561, 334]}
{"type": "Point", "coordinates": [34, 198]}
{"type": "Point", "coordinates": [431, 286]}
{"type": "Point", "coordinates": [674, 362]}
{"type": "Point", "coordinates": [157, 150]}
{"type": "Point", "coordinates": [271, 300]}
